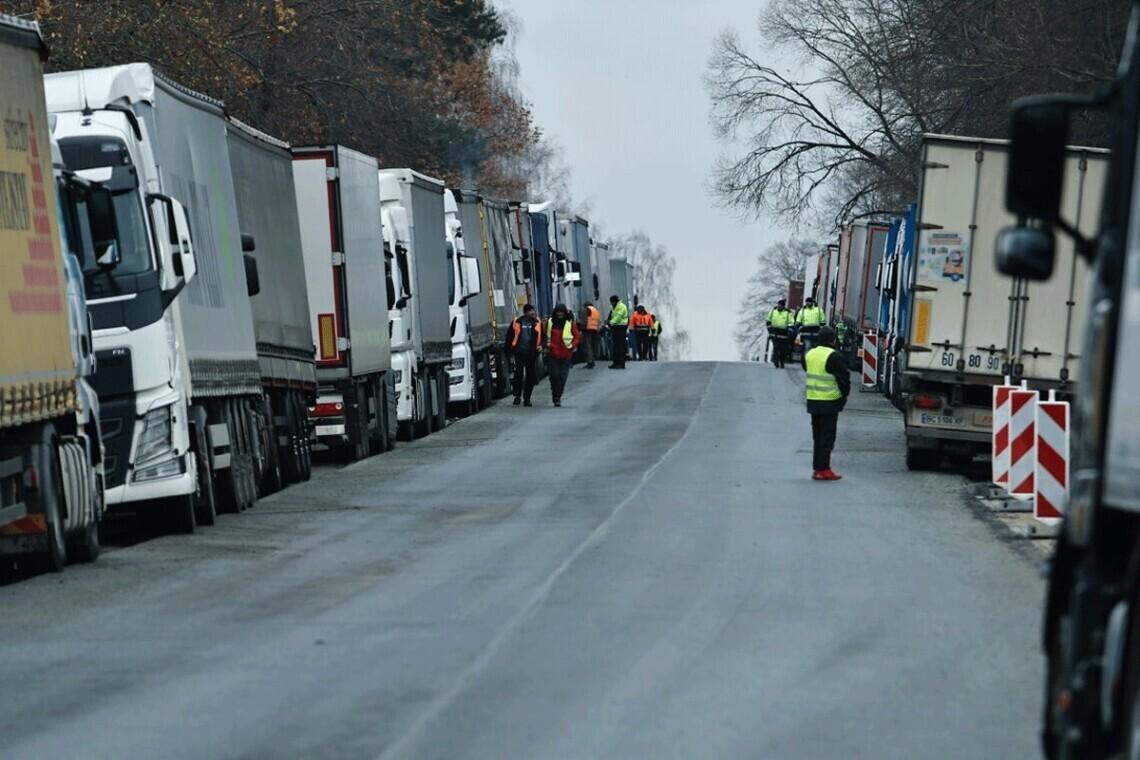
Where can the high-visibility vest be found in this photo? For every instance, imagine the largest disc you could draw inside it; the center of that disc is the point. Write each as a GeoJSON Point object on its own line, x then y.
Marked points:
{"type": "Point", "coordinates": [655, 331]}
{"type": "Point", "coordinates": [593, 318]}
{"type": "Point", "coordinates": [780, 318]}
{"type": "Point", "coordinates": [810, 316]}
{"type": "Point", "coordinates": [619, 315]}
{"type": "Point", "coordinates": [567, 332]}
{"type": "Point", "coordinates": [821, 384]}
{"type": "Point", "coordinates": [517, 329]}
{"type": "Point", "coordinates": [641, 321]}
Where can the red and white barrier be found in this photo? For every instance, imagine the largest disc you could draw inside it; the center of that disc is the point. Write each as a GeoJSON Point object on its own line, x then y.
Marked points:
{"type": "Point", "coordinates": [1022, 442]}
{"type": "Point", "coordinates": [870, 359]}
{"type": "Point", "coordinates": [1051, 491]}
{"type": "Point", "coordinates": [1001, 434]}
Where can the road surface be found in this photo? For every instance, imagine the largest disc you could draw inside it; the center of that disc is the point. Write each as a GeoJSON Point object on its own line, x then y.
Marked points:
{"type": "Point", "coordinates": [645, 572]}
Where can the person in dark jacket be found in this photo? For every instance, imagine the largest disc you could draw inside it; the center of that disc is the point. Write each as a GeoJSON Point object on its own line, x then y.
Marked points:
{"type": "Point", "coordinates": [561, 340]}
{"type": "Point", "coordinates": [524, 340]}
{"type": "Point", "coordinates": [828, 386]}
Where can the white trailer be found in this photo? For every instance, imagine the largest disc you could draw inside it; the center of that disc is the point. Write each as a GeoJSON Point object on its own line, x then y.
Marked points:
{"type": "Point", "coordinates": [968, 327]}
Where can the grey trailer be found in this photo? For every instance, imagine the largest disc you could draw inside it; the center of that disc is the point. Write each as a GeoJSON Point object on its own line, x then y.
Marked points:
{"type": "Point", "coordinates": [482, 317]}
{"type": "Point", "coordinates": [339, 212]}
{"type": "Point", "coordinates": [262, 168]}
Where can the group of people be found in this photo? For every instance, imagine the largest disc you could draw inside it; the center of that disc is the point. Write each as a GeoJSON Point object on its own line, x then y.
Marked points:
{"type": "Point", "coordinates": [784, 324]}
{"type": "Point", "coordinates": [560, 337]}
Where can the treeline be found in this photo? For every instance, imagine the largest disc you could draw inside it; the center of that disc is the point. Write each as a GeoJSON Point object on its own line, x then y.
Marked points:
{"type": "Point", "coordinates": [421, 83]}
{"type": "Point", "coordinates": [839, 133]}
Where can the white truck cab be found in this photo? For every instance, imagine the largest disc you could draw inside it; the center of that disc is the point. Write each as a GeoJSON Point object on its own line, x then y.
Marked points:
{"type": "Point", "coordinates": [410, 407]}
{"type": "Point", "coordinates": [464, 282]}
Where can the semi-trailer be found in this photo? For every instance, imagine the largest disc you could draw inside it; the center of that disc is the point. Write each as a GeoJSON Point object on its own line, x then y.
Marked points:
{"type": "Point", "coordinates": [262, 168]}
{"type": "Point", "coordinates": [338, 211]}
{"type": "Point", "coordinates": [967, 328]}
{"type": "Point", "coordinates": [545, 282]}
{"type": "Point", "coordinates": [178, 375]}
{"type": "Point", "coordinates": [51, 479]}
{"type": "Point", "coordinates": [472, 338]}
{"type": "Point", "coordinates": [894, 310]}
{"type": "Point", "coordinates": [575, 233]}
{"type": "Point", "coordinates": [415, 232]}
{"type": "Point", "coordinates": [795, 294]}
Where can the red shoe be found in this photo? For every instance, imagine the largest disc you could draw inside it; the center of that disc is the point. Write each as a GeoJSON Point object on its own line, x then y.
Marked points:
{"type": "Point", "coordinates": [831, 475]}
{"type": "Point", "coordinates": [819, 475]}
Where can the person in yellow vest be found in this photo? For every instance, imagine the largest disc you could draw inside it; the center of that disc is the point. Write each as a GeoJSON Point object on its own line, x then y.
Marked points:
{"type": "Point", "coordinates": [593, 341]}
{"type": "Point", "coordinates": [780, 322]}
{"type": "Point", "coordinates": [809, 320]}
{"type": "Point", "coordinates": [828, 385]}
{"type": "Point", "coordinates": [561, 340]}
{"type": "Point", "coordinates": [654, 335]}
{"type": "Point", "coordinates": [619, 324]}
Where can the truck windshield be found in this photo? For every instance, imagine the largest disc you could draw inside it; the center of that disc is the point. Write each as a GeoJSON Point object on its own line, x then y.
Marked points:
{"type": "Point", "coordinates": [126, 210]}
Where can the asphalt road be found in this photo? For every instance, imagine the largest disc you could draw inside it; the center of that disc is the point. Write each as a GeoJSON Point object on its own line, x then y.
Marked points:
{"type": "Point", "coordinates": [645, 572]}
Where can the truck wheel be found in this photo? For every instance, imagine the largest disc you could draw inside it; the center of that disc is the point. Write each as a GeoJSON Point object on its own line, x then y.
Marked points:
{"type": "Point", "coordinates": [227, 481]}
{"type": "Point", "coordinates": [178, 514]}
{"type": "Point", "coordinates": [380, 442]}
{"type": "Point", "coordinates": [487, 390]}
{"type": "Point", "coordinates": [54, 556]}
{"type": "Point", "coordinates": [306, 444]}
{"type": "Point", "coordinates": [441, 384]}
{"type": "Point", "coordinates": [206, 512]}
{"type": "Point", "coordinates": [290, 456]}
{"type": "Point", "coordinates": [272, 476]}
{"type": "Point", "coordinates": [918, 460]}
{"type": "Point", "coordinates": [85, 546]}
{"type": "Point", "coordinates": [421, 408]}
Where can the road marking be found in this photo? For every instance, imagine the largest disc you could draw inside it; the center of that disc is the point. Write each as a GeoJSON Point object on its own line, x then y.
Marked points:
{"type": "Point", "coordinates": [472, 671]}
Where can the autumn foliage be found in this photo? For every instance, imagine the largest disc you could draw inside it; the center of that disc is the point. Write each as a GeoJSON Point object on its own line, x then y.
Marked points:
{"type": "Point", "coordinates": [412, 82]}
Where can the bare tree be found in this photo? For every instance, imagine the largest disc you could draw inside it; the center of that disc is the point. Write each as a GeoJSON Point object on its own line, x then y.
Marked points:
{"type": "Point", "coordinates": [654, 268]}
{"type": "Point", "coordinates": [843, 133]}
{"type": "Point", "coordinates": [775, 268]}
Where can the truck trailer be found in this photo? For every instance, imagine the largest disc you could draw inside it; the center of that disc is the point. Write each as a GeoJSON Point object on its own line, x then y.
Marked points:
{"type": "Point", "coordinates": [51, 479]}
{"type": "Point", "coordinates": [262, 169]}
{"type": "Point", "coordinates": [414, 229]}
{"type": "Point", "coordinates": [967, 328]}
{"type": "Point", "coordinates": [338, 209]}
{"type": "Point", "coordinates": [179, 379]}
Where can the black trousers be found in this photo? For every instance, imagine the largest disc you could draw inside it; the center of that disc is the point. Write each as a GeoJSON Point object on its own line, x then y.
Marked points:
{"type": "Point", "coordinates": [526, 374]}
{"type": "Point", "coordinates": [618, 339]}
{"type": "Point", "coordinates": [779, 345]}
{"type": "Point", "coordinates": [642, 337]}
{"type": "Point", "coordinates": [823, 428]}
{"type": "Point", "coordinates": [559, 370]}
{"type": "Point", "coordinates": [652, 348]}
{"type": "Point", "coordinates": [591, 345]}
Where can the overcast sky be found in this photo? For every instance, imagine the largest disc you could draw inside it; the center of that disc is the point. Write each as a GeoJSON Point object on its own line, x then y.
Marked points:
{"type": "Point", "coordinates": [619, 85]}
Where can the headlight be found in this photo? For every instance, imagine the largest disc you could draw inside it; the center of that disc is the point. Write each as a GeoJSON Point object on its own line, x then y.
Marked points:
{"type": "Point", "coordinates": [455, 380]}
{"type": "Point", "coordinates": [155, 439]}
{"type": "Point", "coordinates": [459, 363]}
{"type": "Point", "coordinates": [165, 469]}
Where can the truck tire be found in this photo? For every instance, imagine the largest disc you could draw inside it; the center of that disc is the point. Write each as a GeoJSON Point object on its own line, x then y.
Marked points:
{"type": "Point", "coordinates": [421, 407]}
{"type": "Point", "coordinates": [379, 440]}
{"type": "Point", "coordinates": [207, 503]}
{"type": "Point", "coordinates": [229, 487]}
{"type": "Point", "coordinates": [84, 546]}
{"type": "Point", "coordinates": [54, 556]}
{"type": "Point", "coordinates": [291, 455]}
{"type": "Point", "coordinates": [920, 460]}
{"type": "Point", "coordinates": [441, 384]}
{"type": "Point", "coordinates": [302, 419]}
{"type": "Point", "coordinates": [177, 514]}
{"type": "Point", "coordinates": [487, 388]}
{"type": "Point", "coordinates": [272, 477]}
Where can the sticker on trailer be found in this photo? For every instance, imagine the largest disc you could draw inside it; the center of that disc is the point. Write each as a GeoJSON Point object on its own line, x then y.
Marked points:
{"type": "Point", "coordinates": [945, 258]}
{"type": "Point", "coordinates": [500, 299]}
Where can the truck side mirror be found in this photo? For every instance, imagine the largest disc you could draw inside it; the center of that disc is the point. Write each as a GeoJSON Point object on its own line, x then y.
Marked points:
{"type": "Point", "coordinates": [248, 243]}
{"type": "Point", "coordinates": [101, 203]}
{"type": "Point", "coordinates": [252, 280]}
{"type": "Point", "coordinates": [182, 242]}
{"type": "Point", "coordinates": [1039, 130]}
{"type": "Point", "coordinates": [471, 276]}
{"type": "Point", "coordinates": [1027, 252]}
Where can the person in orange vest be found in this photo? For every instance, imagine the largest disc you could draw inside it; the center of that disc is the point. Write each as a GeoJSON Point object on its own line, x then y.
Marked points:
{"type": "Point", "coordinates": [642, 323]}
{"type": "Point", "coordinates": [592, 343]}
{"type": "Point", "coordinates": [561, 341]}
{"type": "Point", "coordinates": [524, 340]}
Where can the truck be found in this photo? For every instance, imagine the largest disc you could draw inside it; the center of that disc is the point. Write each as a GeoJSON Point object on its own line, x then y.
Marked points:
{"type": "Point", "coordinates": [262, 172]}
{"type": "Point", "coordinates": [346, 280]}
{"type": "Point", "coordinates": [51, 451]}
{"type": "Point", "coordinates": [969, 329]}
{"type": "Point", "coordinates": [178, 377]}
{"type": "Point", "coordinates": [413, 216]}
{"type": "Point", "coordinates": [823, 284]}
{"type": "Point", "coordinates": [894, 301]}
{"type": "Point", "coordinates": [575, 233]}
{"type": "Point", "coordinates": [862, 244]}
{"type": "Point", "coordinates": [470, 371]}
{"type": "Point", "coordinates": [795, 294]}
{"type": "Point", "coordinates": [545, 283]}
{"type": "Point", "coordinates": [1091, 626]}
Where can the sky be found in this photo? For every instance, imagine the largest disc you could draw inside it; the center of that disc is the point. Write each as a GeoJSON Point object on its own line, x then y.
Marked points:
{"type": "Point", "coordinates": [618, 84]}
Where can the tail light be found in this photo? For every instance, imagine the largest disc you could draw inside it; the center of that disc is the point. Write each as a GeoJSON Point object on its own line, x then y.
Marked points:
{"type": "Point", "coordinates": [926, 401]}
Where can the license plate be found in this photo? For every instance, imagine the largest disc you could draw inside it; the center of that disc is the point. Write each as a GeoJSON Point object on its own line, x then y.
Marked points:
{"type": "Point", "coordinates": [330, 429]}
{"type": "Point", "coordinates": [944, 420]}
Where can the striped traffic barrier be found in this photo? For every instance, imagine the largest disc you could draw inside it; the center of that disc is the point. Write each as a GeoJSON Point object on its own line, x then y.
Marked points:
{"type": "Point", "coordinates": [1022, 442]}
{"type": "Point", "coordinates": [1051, 478]}
{"type": "Point", "coordinates": [870, 359]}
{"type": "Point", "coordinates": [1000, 433]}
